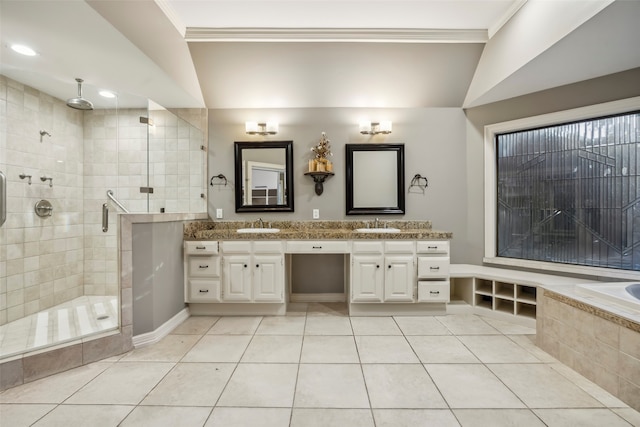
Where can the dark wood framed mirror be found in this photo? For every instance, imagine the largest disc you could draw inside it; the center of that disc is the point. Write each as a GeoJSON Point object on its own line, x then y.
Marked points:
{"type": "Point", "coordinates": [375, 179]}
{"type": "Point", "coordinates": [264, 176]}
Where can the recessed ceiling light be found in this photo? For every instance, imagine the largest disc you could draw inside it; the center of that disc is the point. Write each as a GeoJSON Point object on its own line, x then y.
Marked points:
{"type": "Point", "coordinates": [107, 94]}
{"type": "Point", "coordinates": [24, 50]}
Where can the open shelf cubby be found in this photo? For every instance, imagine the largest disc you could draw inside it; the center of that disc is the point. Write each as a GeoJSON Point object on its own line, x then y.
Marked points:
{"type": "Point", "coordinates": [526, 293]}
{"type": "Point", "coordinates": [499, 296]}
{"type": "Point", "coordinates": [484, 287]}
{"type": "Point", "coordinates": [504, 290]}
{"type": "Point", "coordinates": [485, 301]}
{"type": "Point", "coordinates": [503, 305]}
{"type": "Point", "coordinates": [526, 310]}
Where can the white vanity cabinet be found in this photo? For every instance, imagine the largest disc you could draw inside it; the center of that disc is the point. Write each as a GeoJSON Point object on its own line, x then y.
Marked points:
{"type": "Point", "coordinates": [252, 271]}
{"type": "Point", "coordinates": [433, 271]}
{"type": "Point", "coordinates": [382, 271]}
{"type": "Point", "coordinates": [202, 272]}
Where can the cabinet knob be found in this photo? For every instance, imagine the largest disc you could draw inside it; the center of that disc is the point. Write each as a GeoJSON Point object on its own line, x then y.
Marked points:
{"type": "Point", "coordinates": [203, 266]}
{"type": "Point", "coordinates": [245, 266]}
{"type": "Point", "coordinates": [389, 266]}
{"type": "Point", "coordinates": [377, 266]}
{"type": "Point", "coordinates": [257, 265]}
{"type": "Point", "coordinates": [201, 247]}
{"type": "Point", "coordinates": [434, 268]}
{"type": "Point", "coordinates": [204, 291]}
{"type": "Point", "coordinates": [434, 292]}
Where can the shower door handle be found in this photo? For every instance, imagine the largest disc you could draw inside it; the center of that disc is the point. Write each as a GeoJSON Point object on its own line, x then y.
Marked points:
{"type": "Point", "coordinates": [3, 198]}
{"type": "Point", "coordinates": [105, 218]}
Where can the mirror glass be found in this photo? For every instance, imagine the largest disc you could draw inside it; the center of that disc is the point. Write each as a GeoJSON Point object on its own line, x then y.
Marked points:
{"type": "Point", "coordinates": [263, 174]}
{"type": "Point", "coordinates": [375, 179]}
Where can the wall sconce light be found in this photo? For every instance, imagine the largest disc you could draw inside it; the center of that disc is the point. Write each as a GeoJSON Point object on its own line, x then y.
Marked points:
{"type": "Point", "coordinates": [375, 128]}
{"type": "Point", "coordinates": [255, 128]}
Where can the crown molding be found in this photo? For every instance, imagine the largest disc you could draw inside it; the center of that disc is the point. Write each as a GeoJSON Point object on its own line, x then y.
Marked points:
{"type": "Point", "coordinates": [171, 14]}
{"type": "Point", "coordinates": [361, 35]}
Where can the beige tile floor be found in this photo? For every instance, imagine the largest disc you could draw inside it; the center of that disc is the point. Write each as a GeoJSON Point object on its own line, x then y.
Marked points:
{"type": "Point", "coordinates": [318, 367]}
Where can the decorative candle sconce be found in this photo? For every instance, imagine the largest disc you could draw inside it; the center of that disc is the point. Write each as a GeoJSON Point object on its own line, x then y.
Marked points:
{"type": "Point", "coordinates": [320, 168]}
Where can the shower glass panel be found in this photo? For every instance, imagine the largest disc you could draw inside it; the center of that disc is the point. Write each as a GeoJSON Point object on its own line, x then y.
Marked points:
{"type": "Point", "coordinates": [59, 277]}
{"type": "Point", "coordinates": [176, 160]}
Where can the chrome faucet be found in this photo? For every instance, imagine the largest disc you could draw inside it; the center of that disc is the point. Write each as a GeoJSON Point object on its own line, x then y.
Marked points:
{"type": "Point", "coordinates": [376, 223]}
{"type": "Point", "coordinates": [261, 222]}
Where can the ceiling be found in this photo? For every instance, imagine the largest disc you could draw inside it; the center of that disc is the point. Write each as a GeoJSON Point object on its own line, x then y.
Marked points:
{"type": "Point", "coordinates": [315, 53]}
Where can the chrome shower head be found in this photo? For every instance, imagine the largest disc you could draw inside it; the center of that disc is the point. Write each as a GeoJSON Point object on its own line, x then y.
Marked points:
{"type": "Point", "coordinates": [79, 103]}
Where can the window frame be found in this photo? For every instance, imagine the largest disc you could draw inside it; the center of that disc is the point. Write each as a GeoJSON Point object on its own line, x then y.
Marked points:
{"type": "Point", "coordinates": [490, 185]}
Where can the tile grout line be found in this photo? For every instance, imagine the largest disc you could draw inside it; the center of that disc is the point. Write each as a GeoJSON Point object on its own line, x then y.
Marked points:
{"type": "Point", "coordinates": [364, 380]}
{"type": "Point", "coordinates": [295, 386]}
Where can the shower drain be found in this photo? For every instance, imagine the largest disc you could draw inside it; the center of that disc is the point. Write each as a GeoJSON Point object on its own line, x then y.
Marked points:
{"type": "Point", "coordinates": [103, 317]}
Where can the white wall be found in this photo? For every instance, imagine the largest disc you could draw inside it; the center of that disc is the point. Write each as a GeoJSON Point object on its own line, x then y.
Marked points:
{"type": "Point", "coordinates": [435, 147]}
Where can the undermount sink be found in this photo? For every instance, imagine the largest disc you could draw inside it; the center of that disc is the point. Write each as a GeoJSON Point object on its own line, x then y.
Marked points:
{"type": "Point", "coordinates": [377, 230]}
{"type": "Point", "coordinates": [258, 230]}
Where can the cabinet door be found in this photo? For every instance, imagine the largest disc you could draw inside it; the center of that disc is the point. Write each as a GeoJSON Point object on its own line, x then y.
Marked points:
{"type": "Point", "coordinates": [268, 278]}
{"type": "Point", "coordinates": [236, 278]}
{"type": "Point", "coordinates": [399, 278]}
{"type": "Point", "coordinates": [366, 279]}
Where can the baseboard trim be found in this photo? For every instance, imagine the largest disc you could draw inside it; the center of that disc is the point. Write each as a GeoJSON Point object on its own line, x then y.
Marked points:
{"type": "Point", "coordinates": [328, 297]}
{"type": "Point", "coordinates": [154, 336]}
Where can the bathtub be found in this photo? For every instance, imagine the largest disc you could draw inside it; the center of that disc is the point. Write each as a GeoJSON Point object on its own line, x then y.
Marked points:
{"type": "Point", "coordinates": [626, 294]}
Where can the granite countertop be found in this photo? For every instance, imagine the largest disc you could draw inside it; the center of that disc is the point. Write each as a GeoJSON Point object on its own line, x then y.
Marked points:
{"type": "Point", "coordinates": [312, 230]}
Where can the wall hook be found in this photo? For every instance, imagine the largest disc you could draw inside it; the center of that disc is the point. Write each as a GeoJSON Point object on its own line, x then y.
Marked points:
{"type": "Point", "coordinates": [43, 133]}
{"type": "Point", "coordinates": [219, 176]}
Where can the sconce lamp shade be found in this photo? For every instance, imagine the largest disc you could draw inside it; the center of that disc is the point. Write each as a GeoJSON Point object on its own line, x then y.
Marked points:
{"type": "Point", "coordinates": [385, 127]}
{"type": "Point", "coordinates": [375, 128]}
{"type": "Point", "coordinates": [255, 128]}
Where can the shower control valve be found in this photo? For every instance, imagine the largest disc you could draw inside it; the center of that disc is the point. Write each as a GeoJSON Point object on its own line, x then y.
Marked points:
{"type": "Point", "coordinates": [44, 178]}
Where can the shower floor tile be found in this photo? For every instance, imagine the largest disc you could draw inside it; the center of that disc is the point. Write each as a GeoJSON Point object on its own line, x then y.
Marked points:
{"type": "Point", "coordinates": [65, 322]}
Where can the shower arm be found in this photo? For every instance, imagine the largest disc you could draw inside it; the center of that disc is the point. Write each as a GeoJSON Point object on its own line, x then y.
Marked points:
{"type": "Point", "coordinates": [114, 200]}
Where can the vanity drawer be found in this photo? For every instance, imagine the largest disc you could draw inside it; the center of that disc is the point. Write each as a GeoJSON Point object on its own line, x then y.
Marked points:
{"type": "Point", "coordinates": [267, 247]}
{"type": "Point", "coordinates": [200, 248]}
{"type": "Point", "coordinates": [434, 247]}
{"type": "Point", "coordinates": [204, 290]}
{"type": "Point", "coordinates": [318, 247]}
{"type": "Point", "coordinates": [433, 291]}
{"type": "Point", "coordinates": [204, 266]}
{"type": "Point", "coordinates": [367, 247]}
{"type": "Point", "coordinates": [433, 267]}
{"type": "Point", "coordinates": [236, 247]}
{"type": "Point", "coordinates": [405, 247]}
